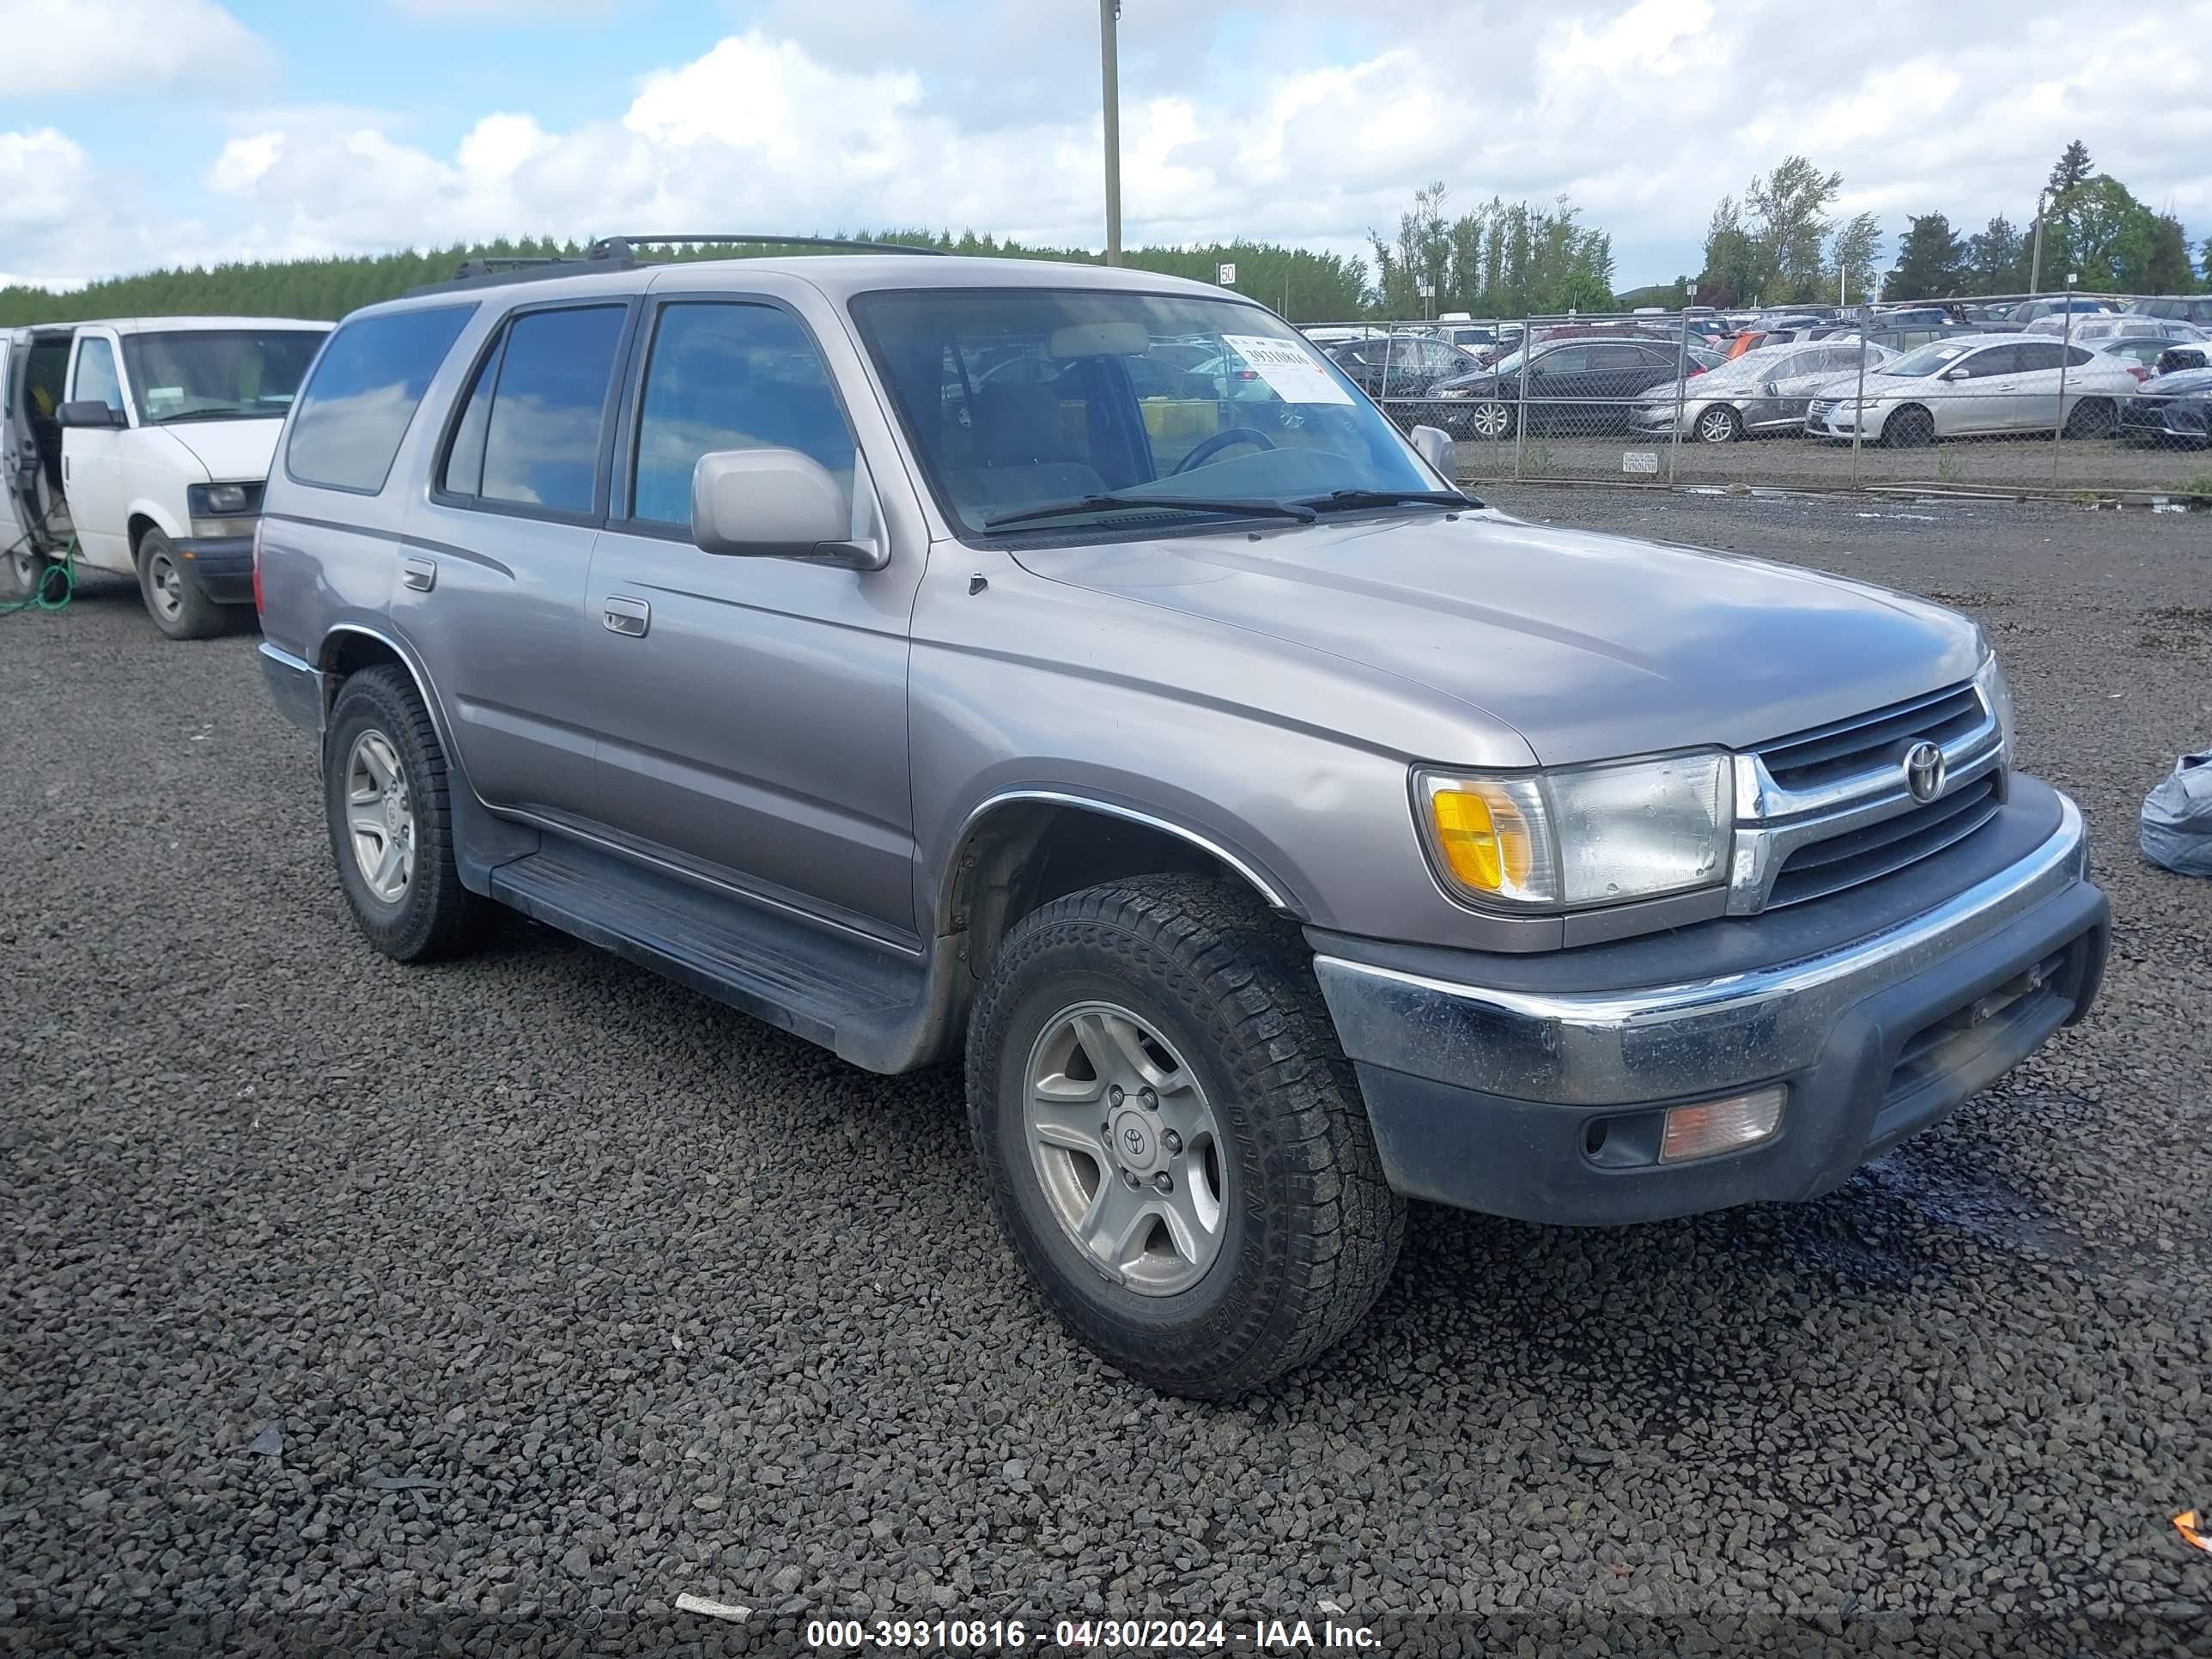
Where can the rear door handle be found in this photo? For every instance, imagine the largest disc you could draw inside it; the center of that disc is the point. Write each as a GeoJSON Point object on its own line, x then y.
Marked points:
{"type": "Point", "coordinates": [419, 573]}
{"type": "Point", "coordinates": [627, 616]}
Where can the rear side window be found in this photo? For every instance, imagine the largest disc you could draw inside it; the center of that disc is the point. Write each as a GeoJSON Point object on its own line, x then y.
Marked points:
{"type": "Point", "coordinates": [2038, 354]}
{"type": "Point", "coordinates": [362, 394]}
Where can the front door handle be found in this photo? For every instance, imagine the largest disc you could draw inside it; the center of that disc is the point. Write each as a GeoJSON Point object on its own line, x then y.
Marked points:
{"type": "Point", "coordinates": [419, 573]}
{"type": "Point", "coordinates": [626, 616]}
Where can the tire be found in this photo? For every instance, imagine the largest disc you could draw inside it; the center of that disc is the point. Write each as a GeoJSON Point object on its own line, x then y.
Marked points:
{"type": "Point", "coordinates": [379, 724]}
{"type": "Point", "coordinates": [173, 596]}
{"type": "Point", "coordinates": [1909, 428]}
{"type": "Point", "coordinates": [1490, 420]}
{"type": "Point", "coordinates": [1720, 424]}
{"type": "Point", "coordinates": [2092, 417]}
{"type": "Point", "coordinates": [1305, 1230]}
{"type": "Point", "coordinates": [21, 574]}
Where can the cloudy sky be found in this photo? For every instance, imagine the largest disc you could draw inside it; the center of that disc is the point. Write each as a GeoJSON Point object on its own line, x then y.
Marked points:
{"type": "Point", "coordinates": [140, 133]}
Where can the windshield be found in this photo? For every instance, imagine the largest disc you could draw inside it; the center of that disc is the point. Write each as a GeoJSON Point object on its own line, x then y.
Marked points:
{"type": "Point", "coordinates": [1019, 398]}
{"type": "Point", "coordinates": [217, 374]}
{"type": "Point", "coordinates": [1930, 358]}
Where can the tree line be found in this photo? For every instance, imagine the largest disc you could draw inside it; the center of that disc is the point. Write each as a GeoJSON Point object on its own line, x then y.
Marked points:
{"type": "Point", "coordinates": [1298, 282]}
{"type": "Point", "coordinates": [1779, 244]}
{"type": "Point", "coordinates": [2095, 230]}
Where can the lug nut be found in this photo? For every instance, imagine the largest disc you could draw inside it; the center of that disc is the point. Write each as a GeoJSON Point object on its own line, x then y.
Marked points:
{"type": "Point", "coordinates": [1152, 1095]}
{"type": "Point", "coordinates": [1172, 1141]}
{"type": "Point", "coordinates": [1163, 1182]}
{"type": "Point", "coordinates": [1115, 1096]}
{"type": "Point", "coordinates": [1129, 1179]}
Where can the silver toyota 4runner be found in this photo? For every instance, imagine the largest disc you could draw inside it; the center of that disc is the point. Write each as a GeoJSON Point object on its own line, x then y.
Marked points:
{"type": "Point", "coordinates": [1069, 669]}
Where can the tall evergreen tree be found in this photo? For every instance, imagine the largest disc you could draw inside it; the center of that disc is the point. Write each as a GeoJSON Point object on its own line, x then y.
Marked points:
{"type": "Point", "coordinates": [2073, 168]}
{"type": "Point", "coordinates": [1997, 259]}
{"type": "Point", "coordinates": [1930, 260]}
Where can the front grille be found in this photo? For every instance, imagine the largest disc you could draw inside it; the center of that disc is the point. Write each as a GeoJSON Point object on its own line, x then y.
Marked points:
{"type": "Point", "coordinates": [1872, 741]}
{"type": "Point", "coordinates": [1858, 855]}
{"type": "Point", "coordinates": [1819, 407]}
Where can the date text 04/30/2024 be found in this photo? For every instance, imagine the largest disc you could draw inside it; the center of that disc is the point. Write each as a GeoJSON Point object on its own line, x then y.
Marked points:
{"type": "Point", "coordinates": [1168, 1635]}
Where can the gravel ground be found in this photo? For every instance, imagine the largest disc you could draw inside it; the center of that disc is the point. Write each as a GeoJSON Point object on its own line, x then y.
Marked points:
{"type": "Point", "coordinates": [489, 1307]}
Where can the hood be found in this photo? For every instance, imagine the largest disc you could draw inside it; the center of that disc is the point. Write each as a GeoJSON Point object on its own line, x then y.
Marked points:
{"type": "Point", "coordinates": [233, 452]}
{"type": "Point", "coordinates": [2181, 383]}
{"type": "Point", "coordinates": [1588, 646]}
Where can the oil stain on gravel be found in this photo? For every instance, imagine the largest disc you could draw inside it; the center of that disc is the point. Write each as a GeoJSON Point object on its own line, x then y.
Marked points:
{"type": "Point", "coordinates": [496, 1304]}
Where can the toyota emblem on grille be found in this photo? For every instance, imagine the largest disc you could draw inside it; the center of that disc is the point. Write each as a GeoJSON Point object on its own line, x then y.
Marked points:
{"type": "Point", "coordinates": [1923, 771]}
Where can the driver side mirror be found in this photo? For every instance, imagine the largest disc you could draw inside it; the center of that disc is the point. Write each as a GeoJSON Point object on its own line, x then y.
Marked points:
{"type": "Point", "coordinates": [776, 504]}
{"type": "Point", "coordinates": [1769, 389]}
{"type": "Point", "coordinates": [1434, 445]}
{"type": "Point", "coordinates": [91, 412]}
{"type": "Point", "coordinates": [1954, 374]}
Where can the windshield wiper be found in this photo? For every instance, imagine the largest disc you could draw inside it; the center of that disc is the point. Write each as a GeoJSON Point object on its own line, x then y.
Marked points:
{"type": "Point", "coordinates": [1337, 498]}
{"type": "Point", "coordinates": [202, 415]}
{"type": "Point", "coordinates": [1251, 509]}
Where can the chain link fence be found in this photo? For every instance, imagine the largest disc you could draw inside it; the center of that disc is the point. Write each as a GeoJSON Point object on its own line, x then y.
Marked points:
{"type": "Point", "coordinates": [2016, 394]}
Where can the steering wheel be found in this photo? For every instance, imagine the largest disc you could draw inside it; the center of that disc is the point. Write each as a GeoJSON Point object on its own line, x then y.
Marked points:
{"type": "Point", "coordinates": [1220, 440]}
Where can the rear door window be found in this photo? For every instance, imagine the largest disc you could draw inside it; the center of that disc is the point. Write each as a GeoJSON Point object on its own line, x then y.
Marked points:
{"type": "Point", "coordinates": [363, 393]}
{"type": "Point", "coordinates": [549, 409]}
{"type": "Point", "coordinates": [2038, 354]}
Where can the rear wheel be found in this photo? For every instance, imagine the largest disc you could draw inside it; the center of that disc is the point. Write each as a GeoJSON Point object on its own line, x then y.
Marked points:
{"type": "Point", "coordinates": [1909, 428]}
{"type": "Point", "coordinates": [385, 795]}
{"type": "Point", "coordinates": [1175, 1144]}
{"type": "Point", "coordinates": [172, 598]}
{"type": "Point", "coordinates": [1719, 425]}
{"type": "Point", "coordinates": [2093, 417]}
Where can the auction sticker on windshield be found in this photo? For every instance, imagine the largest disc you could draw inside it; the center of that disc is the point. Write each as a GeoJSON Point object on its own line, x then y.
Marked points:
{"type": "Point", "coordinates": [1284, 365]}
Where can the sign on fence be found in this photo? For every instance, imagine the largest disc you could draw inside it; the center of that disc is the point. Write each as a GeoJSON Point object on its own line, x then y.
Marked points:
{"type": "Point", "coordinates": [1639, 461]}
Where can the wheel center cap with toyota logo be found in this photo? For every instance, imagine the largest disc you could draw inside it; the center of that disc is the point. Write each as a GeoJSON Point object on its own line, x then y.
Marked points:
{"type": "Point", "coordinates": [1134, 1137]}
{"type": "Point", "coordinates": [1923, 771]}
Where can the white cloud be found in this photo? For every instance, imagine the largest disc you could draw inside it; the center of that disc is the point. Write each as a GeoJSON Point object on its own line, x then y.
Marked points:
{"type": "Point", "coordinates": [1290, 123]}
{"type": "Point", "coordinates": [480, 10]}
{"type": "Point", "coordinates": [121, 48]}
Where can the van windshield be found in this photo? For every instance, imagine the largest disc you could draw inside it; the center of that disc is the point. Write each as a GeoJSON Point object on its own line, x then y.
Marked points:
{"type": "Point", "coordinates": [1181, 409]}
{"type": "Point", "coordinates": [213, 375]}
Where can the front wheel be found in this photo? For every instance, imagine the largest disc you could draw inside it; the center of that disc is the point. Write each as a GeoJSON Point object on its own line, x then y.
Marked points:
{"type": "Point", "coordinates": [22, 573]}
{"type": "Point", "coordinates": [1490, 419]}
{"type": "Point", "coordinates": [172, 598]}
{"type": "Point", "coordinates": [1909, 428]}
{"type": "Point", "coordinates": [1175, 1144]}
{"type": "Point", "coordinates": [1719, 425]}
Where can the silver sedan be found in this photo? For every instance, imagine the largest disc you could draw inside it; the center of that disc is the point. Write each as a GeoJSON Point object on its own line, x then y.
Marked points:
{"type": "Point", "coordinates": [1768, 389]}
{"type": "Point", "coordinates": [1975, 385]}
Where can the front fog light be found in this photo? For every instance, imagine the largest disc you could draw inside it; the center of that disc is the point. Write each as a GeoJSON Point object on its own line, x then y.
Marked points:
{"type": "Point", "coordinates": [1722, 1126]}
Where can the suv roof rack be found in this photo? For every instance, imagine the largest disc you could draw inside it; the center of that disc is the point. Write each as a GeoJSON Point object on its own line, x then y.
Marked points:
{"type": "Point", "coordinates": [620, 253]}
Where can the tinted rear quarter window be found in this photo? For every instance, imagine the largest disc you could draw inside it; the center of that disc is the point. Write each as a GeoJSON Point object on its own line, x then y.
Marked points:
{"type": "Point", "coordinates": [363, 393]}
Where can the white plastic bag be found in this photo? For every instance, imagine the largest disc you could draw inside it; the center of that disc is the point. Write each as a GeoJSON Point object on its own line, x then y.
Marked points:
{"type": "Point", "coordinates": [2177, 818]}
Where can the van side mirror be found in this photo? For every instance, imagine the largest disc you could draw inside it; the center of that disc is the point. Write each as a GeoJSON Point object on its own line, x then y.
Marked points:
{"type": "Point", "coordinates": [1434, 445]}
{"type": "Point", "coordinates": [91, 412]}
{"type": "Point", "coordinates": [775, 504]}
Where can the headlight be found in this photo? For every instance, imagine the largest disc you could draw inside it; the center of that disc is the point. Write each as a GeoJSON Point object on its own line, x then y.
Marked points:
{"type": "Point", "coordinates": [1989, 681]}
{"type": "Point", "coordinates": [1453, 392]}
{"type": "Point", "coordinates": [217, 500]}
{"type": "Point", "coordinates": [1581, 835]}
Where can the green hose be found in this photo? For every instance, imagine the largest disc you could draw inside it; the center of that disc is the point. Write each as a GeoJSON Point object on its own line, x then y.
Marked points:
{"type": "Point", "coordinates": [56, 587]}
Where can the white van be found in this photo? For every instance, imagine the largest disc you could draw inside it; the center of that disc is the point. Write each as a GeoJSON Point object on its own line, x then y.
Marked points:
{"type": "Point", "coordinates": [146, 439]}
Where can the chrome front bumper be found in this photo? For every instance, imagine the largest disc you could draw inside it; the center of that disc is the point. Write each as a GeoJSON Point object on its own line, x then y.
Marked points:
{"type": "Point", "coordinates": [1495, 1098]}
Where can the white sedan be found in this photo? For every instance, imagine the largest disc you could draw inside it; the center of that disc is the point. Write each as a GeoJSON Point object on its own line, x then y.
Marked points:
{"type": "Point", "coordinates": [1974, 385]}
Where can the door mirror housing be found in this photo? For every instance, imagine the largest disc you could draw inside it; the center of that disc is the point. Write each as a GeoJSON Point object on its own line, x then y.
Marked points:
{"type": "Point", "coordinates": [1434, 445]}
{"type": "Point", "coordinates": [776, 504]}
{"type": "Point", "coordinates": [1769, 389]}
{"type": "Point", "coordinates": [91, 412]}
{"type": "Point", "coordinates": [1954, 374]}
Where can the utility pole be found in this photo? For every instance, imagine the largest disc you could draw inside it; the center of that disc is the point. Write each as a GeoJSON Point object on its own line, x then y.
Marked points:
{"type": "Point", "coordinates": [2035, 268]}
{"type": "Point", "coordinates": [1110, 80]}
